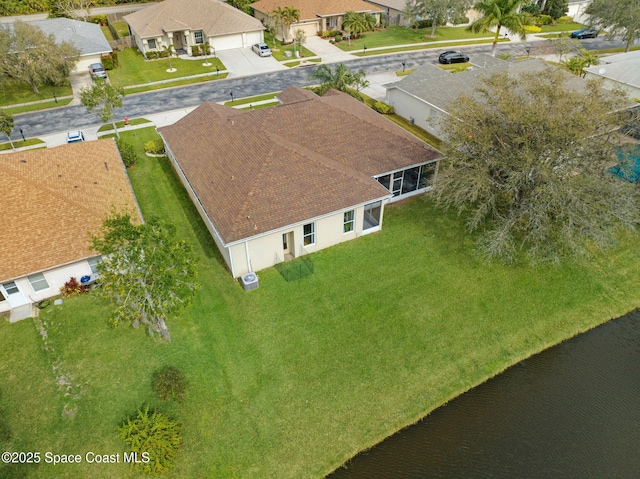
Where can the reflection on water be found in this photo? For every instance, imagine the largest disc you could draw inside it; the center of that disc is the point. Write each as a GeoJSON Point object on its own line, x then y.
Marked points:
{"type": "Point", "coordinates": [572, 411]}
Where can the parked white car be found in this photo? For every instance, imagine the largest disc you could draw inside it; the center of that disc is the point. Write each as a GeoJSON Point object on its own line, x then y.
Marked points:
{"type": "Point", "coordinates": [75, 136]}
{"type": "Point", "coordinates": [262, 49]}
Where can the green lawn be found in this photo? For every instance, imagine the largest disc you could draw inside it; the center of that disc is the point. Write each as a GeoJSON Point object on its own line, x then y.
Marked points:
{"type": "Point", "coordinates": [292, 379]}
{"type": "Point", "coordinates": [120, 124]}
{"type": "Point", "coordinates": [107, 33]}
{"type": "Point", "coordinates": [278, 49]}
{"type": "Point", "coordinates": [20, 143]}
{"type": "Point", "coordinates": [45, 105]}
{"type": "Point", "coordinates": [561, 27]}
{"type": "Point", "coordinates": [122, 28]}
{"type": "Point", "coordinates": [134, 70]}
{"type": "Point", "coordinates": [251, 99]}
{"type": "Point", "coordinates": [13, 92]}
{"type": "Point", "coordinates": [402, 36]}
{"type": "Point", "coordinates": [424, 47]}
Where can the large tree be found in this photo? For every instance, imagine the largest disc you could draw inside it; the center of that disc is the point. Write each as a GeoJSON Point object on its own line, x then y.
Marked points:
{"type": "Point", "coordinates": [101, 98]}
{"type": "Point", "coordinates": [526, 166]}
{"type": "Point", "coordinates": [28, 55]}
{"type": "Point", "coordinates": [501, 14]}
{"type": "Point", "coordinates": [618, 17]}
{"type": "Point", "coordinates": [436, 10]}
{"type": "Point", "coordinates": [6, 125]}
{"type": "Point", "coordinates": [145, 271]}
{"type": "Point", "coordinates": [76, 9]}
{"type": "Point", "coordinates": [556, 8]}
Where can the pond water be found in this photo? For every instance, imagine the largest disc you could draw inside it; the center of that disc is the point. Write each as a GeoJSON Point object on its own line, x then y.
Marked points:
{"type": "Point", "coordinates": [572, 411]}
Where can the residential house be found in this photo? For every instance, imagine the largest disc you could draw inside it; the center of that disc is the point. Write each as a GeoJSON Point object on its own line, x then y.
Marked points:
{"type": "Point", "coordinates": [392, 11]}
{"type": "Point", "coordinates": [86, 37]}
{"type": "Point", "coordinates": [185, 23]}
{"type": "Point", "coordinates": [58, 196]}
{"type": "Point", "coordinates": [316, 16]}
{"type": "Point", "coordinates": [425, 96]}
{"type": "Point", "coordinates": [277, 183]}
{"type": "Point", "coordinates": [621, 71]}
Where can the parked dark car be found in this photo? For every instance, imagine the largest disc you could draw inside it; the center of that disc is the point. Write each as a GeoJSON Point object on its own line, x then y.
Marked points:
{"type": "Point", "coordinates": [585, 32]}
{"type": "Point", "coordinates": [96, 70]}
{"type": "Point", "coordinates": [453, 57]}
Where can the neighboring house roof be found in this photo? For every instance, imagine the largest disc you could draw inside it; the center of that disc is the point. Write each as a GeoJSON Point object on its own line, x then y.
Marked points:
{"type": "Point", "coordinates": [312, 9]}
{"type": "Point", "coordinates": [622, 68]}
{"type": "Point", "coordinates": [57, 196]}
{"type": "Point", "coordinates": [394, 4]}
{"type": "Point", "coordinates": [259, 170]}
{"type": "Point", "coordinates": [440, 88]}
{"type": "Point", "coordinates": [86, 37]}
{"type": "Point", "coordinates": [213, 17]}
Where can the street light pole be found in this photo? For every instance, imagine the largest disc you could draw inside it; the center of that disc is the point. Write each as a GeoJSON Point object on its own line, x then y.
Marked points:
{"type": "Point", "coordinates": [231, 93]}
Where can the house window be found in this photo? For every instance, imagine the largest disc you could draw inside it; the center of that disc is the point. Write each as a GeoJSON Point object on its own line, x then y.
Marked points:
{"type": "Point", "coordinates": [11, 287]}
{"type": "Point", "coordinates": [372, 213]}
{"type": "Point", "coordinates": [93, 264]}
{"type": "Point", "coordinates": [309, 234]}
{"type": "Point", "coordinates": [349, 221]}
{"type": "Point", "coordinates": [152, 44]}
{"type": "Point", "coordinates": [38, 282]}
{"type": "Point", "coordinates": [199, 37]}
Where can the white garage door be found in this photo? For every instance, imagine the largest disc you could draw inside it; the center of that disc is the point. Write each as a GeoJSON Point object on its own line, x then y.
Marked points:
{"type": "Point", "coordinates": [227, 42]}
{"type": "Point", "coordinates": [83, 63]}
{"type": "Point", "coordinates": [310, 29]}
{"type": "Point", "coordinates": [254, 37]}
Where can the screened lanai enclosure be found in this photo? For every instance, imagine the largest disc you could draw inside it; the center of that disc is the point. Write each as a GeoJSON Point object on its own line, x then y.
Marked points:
{"type": "Point", "coordinates": [410, 181]}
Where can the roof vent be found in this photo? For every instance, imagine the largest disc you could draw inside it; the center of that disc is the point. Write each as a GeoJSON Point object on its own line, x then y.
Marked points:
{"type": "Point", "coordinates": [249, 281]}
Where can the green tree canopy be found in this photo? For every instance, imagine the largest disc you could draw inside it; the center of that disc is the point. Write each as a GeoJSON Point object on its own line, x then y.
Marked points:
{"type": "Point", "coordinates": [357, 23]}
{"type": "Point", "coordinates": [6, 125]}
{"type": "Point", "coordinates": [556, 8]}
{"type": "Point", "coordinates": [285, 16]}
{"type": "Point", "coordinates": [145, 271]}
{"type": "Point", "coordinates": [339, 79]}
{"type": "Point", "coordinates": [526, 165]}
{"type": "Point", "coordinates": [500, 14]}
{"type": "Point", "coordinates": [436, 10]}
{"type": "Point", "coordinates": [28, 55]}
{"type": "Point", "coordinates": [101, 98]}
{"type": "Point", "coordinates": [618, 17]}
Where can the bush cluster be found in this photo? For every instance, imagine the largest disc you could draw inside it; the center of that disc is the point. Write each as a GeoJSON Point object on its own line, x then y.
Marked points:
{"type": "Point", "coordinates": [99, 19]}
{"type": "Point", "coordinates": [169, 383]}
{"type": "Point", "coordinates": [152, 55]}
{"type": "Point", "coordinates": [110, 61]}
{"type": "Point", "coordinates": [73, 288]}
{"type": "Point", "coordinates": [383, 108]}
{"type": "Point", "coordinates": [565, 19]}
{"type": "Point", "coordinates": [127, 152]}
{"type": "Point", "coordinates": [152, 432]}
{"type": "Point", "coordinates": [155, 147]}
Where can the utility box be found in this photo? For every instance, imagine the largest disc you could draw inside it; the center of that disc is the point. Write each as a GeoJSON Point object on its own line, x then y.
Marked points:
{"type": "Point", "coordinates": [249, 281]}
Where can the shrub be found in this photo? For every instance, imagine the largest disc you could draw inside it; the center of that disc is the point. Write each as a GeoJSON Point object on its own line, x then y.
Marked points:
{"type": "Point", "coordinates": [100, 20]}
{"type": "Point", "coordinates": [155, 434]}
{"type": "Point", "coordinates": [459, 19]}
{"type": "Point", "coordinates": [543, 20]}
{"type": "Point", "coordinates": [330, 33]}
{"type": "Point", "coordinates": [152, 55]}
{"type": "Point", "coordinates": [155, 147]}
{"type": "Point", "coordinates": [338, 37]}
{"type": "Point", "coordinates": [418, 24]}
{"type": "Point", "coordinates": [383, 108]}
{"type": "Point", "coordinates": [127, 152]}
{"type": "Point", "coordinates": [114, 59]}
{"type": "Point", "coordinates": [169, 383]}
{"type": "Point", "coordinates": [107, 62]}
{"type": "Point", "coordinates": [195, 50]}
{"type": "Point", "coordinates": [532, 9]}
{"type": "Point", "coordinates": [73, 288]}
{"type": "Point", "coordinates": [565, 19]}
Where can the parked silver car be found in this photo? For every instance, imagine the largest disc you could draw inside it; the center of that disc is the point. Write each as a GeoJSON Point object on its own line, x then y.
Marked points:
{"type": "Point", "coordinates": [262, 49]}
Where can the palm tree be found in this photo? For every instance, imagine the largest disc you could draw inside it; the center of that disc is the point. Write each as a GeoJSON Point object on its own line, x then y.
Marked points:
{"type": "Point", "coordinates": [339, 79]}
{"type": "Point", "coordinates": [170, 51]}
{"type": "Point", "coordinates": [501, 14]}
{"type": "Point", "coordinates": [285, 17]}
{"type": "Point", "coordinates": [358, 23]}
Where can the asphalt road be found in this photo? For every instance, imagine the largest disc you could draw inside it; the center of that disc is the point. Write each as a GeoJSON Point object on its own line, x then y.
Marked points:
{"type": "Point", "coordinates": [76, 117]}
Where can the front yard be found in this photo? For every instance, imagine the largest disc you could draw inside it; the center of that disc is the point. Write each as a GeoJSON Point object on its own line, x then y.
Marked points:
{"type": "Point", "coordinates": [292, 379]}
{"type": "Point", "coordinates": [135, 70]}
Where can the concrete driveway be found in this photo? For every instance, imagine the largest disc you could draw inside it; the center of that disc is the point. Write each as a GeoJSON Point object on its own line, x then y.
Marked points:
{"type": "Point", "coordinates": [243, 62]}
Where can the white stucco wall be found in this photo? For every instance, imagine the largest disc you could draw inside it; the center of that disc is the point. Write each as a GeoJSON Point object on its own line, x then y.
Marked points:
{"type": "Point", "coordinates": [266, 251]}
{"type": "Point", "coordinates": [56, 278]}
{"type": "Point", "coordinates": [424, 115]}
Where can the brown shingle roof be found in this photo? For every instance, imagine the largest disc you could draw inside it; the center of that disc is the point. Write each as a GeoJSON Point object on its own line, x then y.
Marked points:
{"type": "Point", "coordinates": [53, 198]}
{"type": "Point", "coordinates": [211, 16]}
{"type": "Point", "coordinates": [260, 170]}
{"type": "Point", "coordinates": [312, 9]}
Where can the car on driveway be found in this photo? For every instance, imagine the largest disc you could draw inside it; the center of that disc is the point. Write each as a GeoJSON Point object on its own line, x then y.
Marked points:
{"type": "Point", "coordinates": [96, 70]}
{"type": "Point", "coordinates": [453, 57]}
{"type": "Point", "coordinates": [262, 49]}
{"type": "Point", "coordinates": [585, 32]}
{"type": "Point", "coordinates": [75, 136]}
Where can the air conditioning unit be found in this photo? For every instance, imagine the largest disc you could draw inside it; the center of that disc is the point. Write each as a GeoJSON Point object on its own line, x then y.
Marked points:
{"type": "Point", "coordinates": [249, 281]}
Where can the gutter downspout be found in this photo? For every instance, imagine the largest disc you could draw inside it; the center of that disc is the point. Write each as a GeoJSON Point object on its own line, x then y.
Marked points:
{"type": "Point", "coordinates": [246, 248]}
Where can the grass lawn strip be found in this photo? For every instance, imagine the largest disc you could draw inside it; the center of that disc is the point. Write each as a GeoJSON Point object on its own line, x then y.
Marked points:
{"type": "Point", "coordinates": [120, 124]}
{"type": "Point", "coordinates": [17, 93]}
{"type": "Point", "coordinates": [292, 379]}
{"type": "Point", "coordinates": [21, 144]}
{"type": "Point", "coordinates": [383, 51]}
{"type": "Point", "coordinates": [251, 99]}
{"type": "Point", "coordinates": [38, 106]}
{"type": "Point", "coordinates": [173, 84]}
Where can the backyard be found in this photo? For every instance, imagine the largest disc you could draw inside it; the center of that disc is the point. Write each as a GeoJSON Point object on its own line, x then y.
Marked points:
{"type": "Point", "coordinates": [292, 379]}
